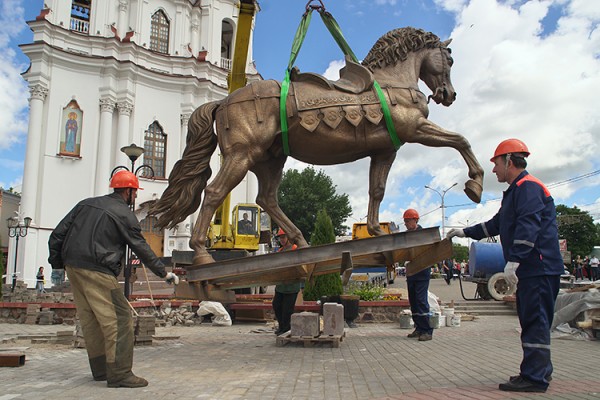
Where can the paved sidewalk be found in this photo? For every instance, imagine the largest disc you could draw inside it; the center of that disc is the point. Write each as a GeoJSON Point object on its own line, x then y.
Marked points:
{"type": "Point", "coordinates": [375, 361]}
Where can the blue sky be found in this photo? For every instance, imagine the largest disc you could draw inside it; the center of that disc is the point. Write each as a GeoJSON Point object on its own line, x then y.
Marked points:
{"type": "Point", "coordinates": [526, 69]}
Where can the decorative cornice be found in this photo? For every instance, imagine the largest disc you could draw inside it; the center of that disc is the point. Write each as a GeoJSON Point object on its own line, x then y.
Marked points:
{"type": "Point", "coordinates": [107, 105]}
{"type": "Point", "coordinates": [38, 92]}
{"type": "Point", "coordinates": [125, 108]}
{"type": "Point", "coordinates": [122, 5]}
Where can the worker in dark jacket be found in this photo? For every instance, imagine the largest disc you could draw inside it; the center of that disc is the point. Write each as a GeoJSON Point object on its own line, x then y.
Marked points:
{"type": "Point", "coordinates": [89, 243]}
{"type": "Point", "coordinates": [284, 299]}
{"type": "Point", "coordinates": [526, 223]}
{"type": "Point", "coordinates": [418, 288]}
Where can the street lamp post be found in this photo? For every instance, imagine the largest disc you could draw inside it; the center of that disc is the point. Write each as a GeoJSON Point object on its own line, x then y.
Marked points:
{"type": "Point", "coordinates": [443, 207]}
{"type": "Point", "coordinates": [133, 152]}
{"type": "Point", "coordinates": [17, 230]}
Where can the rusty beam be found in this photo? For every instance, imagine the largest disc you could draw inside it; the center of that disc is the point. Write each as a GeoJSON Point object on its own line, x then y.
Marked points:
{"type": "Point", "coordinates": [326, 258]}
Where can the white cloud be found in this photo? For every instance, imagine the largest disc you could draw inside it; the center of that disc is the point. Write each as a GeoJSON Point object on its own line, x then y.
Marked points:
{"type": "Point", "coordinates": [13, 90]}
{"type": "Point", "coordinates": [333, 70]}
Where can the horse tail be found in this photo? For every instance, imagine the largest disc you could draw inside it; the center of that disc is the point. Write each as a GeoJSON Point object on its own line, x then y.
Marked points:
{"type": "Point", "coordinates": [190, 174]}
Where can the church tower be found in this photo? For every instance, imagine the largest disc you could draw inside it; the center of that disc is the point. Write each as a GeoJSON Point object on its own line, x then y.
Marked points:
{"type": "Point", "coordinates": [108, 73]}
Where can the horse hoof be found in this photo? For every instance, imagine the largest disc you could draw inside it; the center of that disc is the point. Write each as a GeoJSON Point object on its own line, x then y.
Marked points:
{"type": "Point", "coordinates": [473, 190]}
{"type": "Point", "coordinates": [201, 259]}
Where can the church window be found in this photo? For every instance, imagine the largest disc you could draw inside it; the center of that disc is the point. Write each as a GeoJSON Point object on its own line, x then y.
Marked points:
{"type": "Point", "coordinates": [155, 144]}
{"type": "Point", "coordinates": [80, 15]}
{"type": "Point", "coordinates": [159, 32]}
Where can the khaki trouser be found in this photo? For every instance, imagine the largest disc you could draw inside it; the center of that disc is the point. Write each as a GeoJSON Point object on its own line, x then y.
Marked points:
{"type": "Point", "coordinates": [106, 322]}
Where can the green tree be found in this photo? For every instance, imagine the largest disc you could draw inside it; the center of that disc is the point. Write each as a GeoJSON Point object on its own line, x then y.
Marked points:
{"type": "Point", "coordinates": [328, 284]}
{"type": "Point", "coordinates": [460, 252]}
{"type": "Point", "coordinates": [303, 193]}
{"type": "Point", "coordinates": [577, 227]}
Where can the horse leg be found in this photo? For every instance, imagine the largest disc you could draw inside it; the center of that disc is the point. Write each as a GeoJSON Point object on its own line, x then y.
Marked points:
{"type": "Point", "coordinates": [230, 174]}
{"type": "Point", "coordinates": [429, 134]}
{"type": "Point", "coordinates": [269, 175]}
{"type": "Point", "coordinates": [378, 174]}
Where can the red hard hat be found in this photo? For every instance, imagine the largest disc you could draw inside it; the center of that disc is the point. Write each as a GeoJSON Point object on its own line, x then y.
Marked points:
{"type": "Point", "coordinates": [510, 146]}
{"type": "Point", "coordinates": [411, 213]}
{"type": "Point", "coordinates": [124, 179]}
{"type": "Point", "coordinates": [280, 232]}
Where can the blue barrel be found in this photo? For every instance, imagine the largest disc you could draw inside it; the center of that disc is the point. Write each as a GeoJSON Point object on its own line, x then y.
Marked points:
{"type": "Point", "coordinates": [485, 259]}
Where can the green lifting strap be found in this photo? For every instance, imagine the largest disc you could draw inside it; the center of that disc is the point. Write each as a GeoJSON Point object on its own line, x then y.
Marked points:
{"type": "Point", "coordinates": [336, 32]}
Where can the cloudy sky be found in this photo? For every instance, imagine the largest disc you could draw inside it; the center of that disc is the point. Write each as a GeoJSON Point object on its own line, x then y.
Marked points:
{"type": "Point", "coordinates": [525, 69]}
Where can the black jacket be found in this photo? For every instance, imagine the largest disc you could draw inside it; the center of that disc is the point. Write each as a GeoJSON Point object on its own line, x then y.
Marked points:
{"type": "Point", "coordinates": [93, 236]}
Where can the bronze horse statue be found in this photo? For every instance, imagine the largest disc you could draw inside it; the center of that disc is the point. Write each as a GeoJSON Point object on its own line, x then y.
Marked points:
{"type": "Point", "coordinates": [330, 122]}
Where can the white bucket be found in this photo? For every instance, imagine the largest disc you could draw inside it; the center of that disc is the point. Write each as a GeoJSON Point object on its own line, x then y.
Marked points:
{"type": "Point", "coordinates": [434, 320]}
{"type": "Point", "coordinates": [406, 321]}
{"type": "Point", "coordinates": [442, 320]}
{"type": "Point", "coordinates": [454, 321]}
{"type": "Point", "coordinates": [448, 311]}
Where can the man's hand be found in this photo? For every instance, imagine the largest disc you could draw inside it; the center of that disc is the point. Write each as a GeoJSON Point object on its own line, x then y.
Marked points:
{"type": "Point", "coordinates": [510, 272]}
{"type": "Point", "coordinates": [455, 232]}
{"type": "Point", "coordinates": [172, 278]}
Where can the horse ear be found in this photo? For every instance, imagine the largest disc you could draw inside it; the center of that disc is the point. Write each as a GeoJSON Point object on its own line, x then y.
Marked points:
{"type": "Point", "coordinates": [446, 43]}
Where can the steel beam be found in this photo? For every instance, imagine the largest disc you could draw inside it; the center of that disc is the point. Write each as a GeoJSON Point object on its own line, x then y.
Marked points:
{"type": "Point", "coordinates": [327, 258]}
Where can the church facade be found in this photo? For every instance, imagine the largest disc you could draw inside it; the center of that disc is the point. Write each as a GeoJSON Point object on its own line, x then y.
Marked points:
{"type": "Point", "coordinates": [105, 74]}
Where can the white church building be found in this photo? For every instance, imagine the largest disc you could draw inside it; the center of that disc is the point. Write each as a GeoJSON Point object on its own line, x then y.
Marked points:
{"type": "Point", "coordinates": [108, 73]}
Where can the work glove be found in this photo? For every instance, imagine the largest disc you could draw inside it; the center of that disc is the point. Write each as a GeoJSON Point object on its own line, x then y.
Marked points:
{"type": "Point", "coordinates": [455, 232]}
{"type": "Point", "coordinates": [510, 273]}
{"type": "Point", "coordinates": [172, 278]}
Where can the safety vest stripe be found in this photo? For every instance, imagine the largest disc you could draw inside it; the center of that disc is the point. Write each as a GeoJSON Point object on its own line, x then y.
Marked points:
{"type": "Point", "coordinates": [525, 242]}
{"type": "Point", "coordinates": [485, 231]}
{"type": "Point", "coordinates": [536, 345]}
{"type": "Point", "coordinates": [533, 179]}
{"type": "Point", "coordinates": [421, 314]}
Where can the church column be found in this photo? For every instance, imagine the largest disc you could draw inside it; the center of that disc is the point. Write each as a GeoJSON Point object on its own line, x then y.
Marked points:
{"type": "Point", "coordinates": [125, 108]}
{"type": "Point", "coordinates": [33, 153]}
{"type": "Point", "coordinates": [183, 229]}
{"type": "Point", "coordinates": [122, 21]}
{"type": "Point", "coordinates": [103, 167]}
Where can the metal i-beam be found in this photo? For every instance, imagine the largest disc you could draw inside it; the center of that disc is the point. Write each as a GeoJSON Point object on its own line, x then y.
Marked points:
{"type": "Point", "coordinates": [327, 258]}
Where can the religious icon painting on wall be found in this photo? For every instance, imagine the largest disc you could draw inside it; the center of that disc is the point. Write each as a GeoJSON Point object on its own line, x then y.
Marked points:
{"type": "Point", "coordinates": [70, 135]}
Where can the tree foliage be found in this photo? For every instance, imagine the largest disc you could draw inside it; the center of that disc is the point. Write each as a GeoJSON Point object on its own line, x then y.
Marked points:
{"type": "Point", "coordinates": [329, 284]}
{"type": "Point", "coordinates": [303, 193]}
{"type": "Point", "coordinates": [460, 252]}
{"type": "Point", "coordinates": [577, 227]}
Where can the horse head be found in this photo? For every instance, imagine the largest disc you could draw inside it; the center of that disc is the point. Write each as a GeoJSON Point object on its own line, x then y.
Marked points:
{"type": "Point", "coordinates": [435, 72]}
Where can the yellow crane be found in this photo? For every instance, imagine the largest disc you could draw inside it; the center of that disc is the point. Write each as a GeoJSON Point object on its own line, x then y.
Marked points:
{"type": "Point", "coordinates": [240, 230]}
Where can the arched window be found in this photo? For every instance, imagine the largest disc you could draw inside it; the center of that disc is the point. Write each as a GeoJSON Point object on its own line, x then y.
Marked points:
{"type": "Point", "coordinates": [155, 147]}
{"type": "Point", "coordinates": [159, 32]}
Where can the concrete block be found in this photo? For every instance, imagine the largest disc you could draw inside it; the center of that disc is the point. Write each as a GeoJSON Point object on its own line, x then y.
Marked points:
{"type": "Point", "coordinates": [305, 324]}
{"type": "Point", "coordinates": [333, 319]}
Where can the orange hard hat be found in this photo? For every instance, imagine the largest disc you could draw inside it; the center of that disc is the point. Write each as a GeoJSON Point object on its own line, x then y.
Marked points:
{"type": "Point", "coordinates": [124, 179]}
{"type": "Point", "coordinates": [411, 213]}
{"type": "Point", "coordinates": [280, 232]}
{"type": "Point", "coordinates": [510, 146]}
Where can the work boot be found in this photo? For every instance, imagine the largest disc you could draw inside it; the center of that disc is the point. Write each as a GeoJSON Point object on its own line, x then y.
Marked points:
{"type": "Point", "coordinates": [425, 337]}
{"type": "Point", "coordinates": [131, 381]}
{"type": "Point", "coordinates": [521, 384]}
{"type": "Point", "coordinates": [515, 377]}
{"type": "Point", "coordinates": [414, 334]}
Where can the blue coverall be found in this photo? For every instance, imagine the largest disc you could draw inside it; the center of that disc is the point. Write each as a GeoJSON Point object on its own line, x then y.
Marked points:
{"type": "Point", "coordinates": [418, 286]}
{"type": "Point", "coordinates": [526, 223]}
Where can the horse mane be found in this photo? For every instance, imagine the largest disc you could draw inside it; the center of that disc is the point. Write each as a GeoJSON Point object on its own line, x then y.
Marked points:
{"type": "Point", "coordinates": [395, 45]}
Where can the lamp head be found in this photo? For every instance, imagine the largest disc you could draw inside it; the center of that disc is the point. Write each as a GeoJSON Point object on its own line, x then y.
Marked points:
{"type": "Point", "coordinates": [132, 151]}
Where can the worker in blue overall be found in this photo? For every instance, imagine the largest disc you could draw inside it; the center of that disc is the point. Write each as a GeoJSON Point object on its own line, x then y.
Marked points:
{"type": "Point", "coordinates": [526, 223]}
{"type": "Point", "coordinates": [418, 288]}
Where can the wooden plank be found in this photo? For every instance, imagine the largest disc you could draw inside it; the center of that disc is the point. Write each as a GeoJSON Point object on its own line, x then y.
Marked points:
{"type": "Point", "coordinates": [12, 359]}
